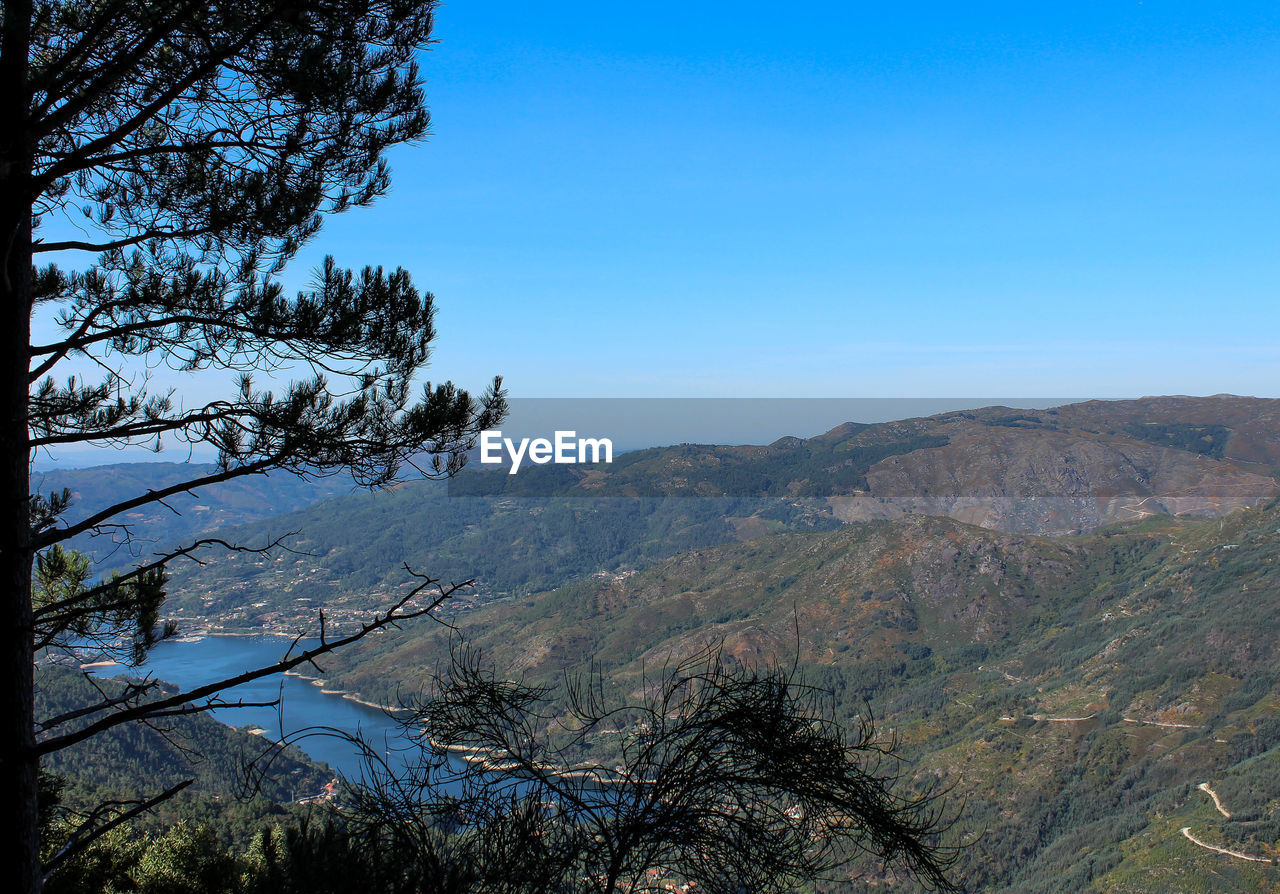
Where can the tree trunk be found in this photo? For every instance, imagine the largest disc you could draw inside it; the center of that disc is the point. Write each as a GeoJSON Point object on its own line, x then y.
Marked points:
{"type": "Point", "coordinates": [18, 765]}
{"type": "Point", "coordinates": [20, 849]}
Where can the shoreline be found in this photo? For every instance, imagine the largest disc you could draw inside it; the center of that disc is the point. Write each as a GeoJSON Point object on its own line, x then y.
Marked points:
{"type": "Point", "coordinates": [190, 656]}
{"type": "Point", "coordinates": [196, 636]}
{"type": "Point", "coordinates": [342, 693]}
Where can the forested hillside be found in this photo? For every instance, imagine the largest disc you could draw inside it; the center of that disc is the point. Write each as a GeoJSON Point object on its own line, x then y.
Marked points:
{"type": "Point", "coordinates": [235, 787]}
{"type": "Point", "coordinates": [1065, 470]}
{"type": "Point", "coordinates": [1101, 705]}
{"type": "Point", "coordinates": [143, 531]}
{"type": "Point", "coordinates": [1072, 693]}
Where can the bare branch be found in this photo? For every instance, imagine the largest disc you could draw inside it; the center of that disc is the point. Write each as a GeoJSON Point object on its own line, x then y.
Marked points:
{"type": "Point", "coordinates": [392, 618]}
{"type": "Point", "coordinates": [57, 535]}
{"type": "Point", "coordinates": [70, 603]}
{"type": "Point", "coordinates": [132, 691]}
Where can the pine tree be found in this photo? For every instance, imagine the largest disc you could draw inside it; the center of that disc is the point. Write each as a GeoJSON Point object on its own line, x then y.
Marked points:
{"type": "Point", "coordinates": [186, 151]}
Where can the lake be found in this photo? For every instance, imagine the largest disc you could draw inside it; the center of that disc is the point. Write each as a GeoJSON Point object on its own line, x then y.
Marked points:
{"type": "Point", "coordinates": [302, 704]}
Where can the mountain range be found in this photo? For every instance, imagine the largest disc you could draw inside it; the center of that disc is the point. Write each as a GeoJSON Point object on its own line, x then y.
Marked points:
{"type": "Point", "coordinates": [1067, 618]}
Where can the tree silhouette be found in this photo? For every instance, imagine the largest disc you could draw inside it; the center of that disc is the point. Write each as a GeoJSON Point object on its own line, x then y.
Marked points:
{"type": "Point", "coordinates": [191, 148]}
{"type": "Point", "coordinates": [734, 779]}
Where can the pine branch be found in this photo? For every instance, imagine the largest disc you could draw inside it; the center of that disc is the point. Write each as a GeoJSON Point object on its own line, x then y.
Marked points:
{"type": "Point", "coordinates": [65, 113]}
{"type": "Point", "coordinates": [125, 242]}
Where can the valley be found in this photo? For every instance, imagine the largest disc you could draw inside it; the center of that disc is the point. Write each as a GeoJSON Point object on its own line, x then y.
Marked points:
{"type": "Point", "coordinates": [1067, 620]}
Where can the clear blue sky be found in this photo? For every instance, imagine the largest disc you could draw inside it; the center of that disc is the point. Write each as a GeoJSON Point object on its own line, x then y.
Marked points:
{"type": "Point", "coordinates": [835, 199]}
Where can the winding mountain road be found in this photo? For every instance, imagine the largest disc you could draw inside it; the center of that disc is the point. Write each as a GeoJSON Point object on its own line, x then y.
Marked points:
{"type": "Point", "coordinates": [1186, 831]}
{"type": "Point", "coordinates": [1204, 787]}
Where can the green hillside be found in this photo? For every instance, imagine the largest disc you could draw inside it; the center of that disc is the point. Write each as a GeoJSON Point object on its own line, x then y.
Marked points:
{"type": "Point", "coordinates": [183, 516]}
{"type": "Point", "coordinates": [1073, 693]}
{"type": "Point", "coordinates": [350, 552]}
{"type": "Point", "coordinates": [139, 761]}
{"type": "Point", "coordinates": [1074, 468]}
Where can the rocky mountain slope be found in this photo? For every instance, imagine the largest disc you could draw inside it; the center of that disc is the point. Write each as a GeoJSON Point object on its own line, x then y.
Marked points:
{"type": "Point", "coordinates": [1072, 693]}
{"type": "Point", "coordinates": [1062, 470]}
{"type": "Point", "coordinates": [1081, 466]}
{"type": "Point", "coordinates": [1059, 471]}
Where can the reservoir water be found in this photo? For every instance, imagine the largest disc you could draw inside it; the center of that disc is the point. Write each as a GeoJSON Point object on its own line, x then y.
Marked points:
{"type": "Point", "coordinates": [302, 704]}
